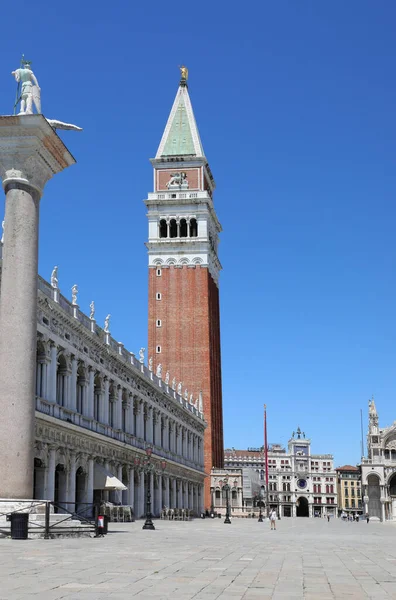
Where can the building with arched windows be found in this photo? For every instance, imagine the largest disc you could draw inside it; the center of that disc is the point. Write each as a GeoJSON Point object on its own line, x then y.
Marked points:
{"type": "Point", "coordinates": [299, 483]}
{"type": "Point", "coordinates": [379, 469]}
{"type": "Point", "coordinates": [98, 408]}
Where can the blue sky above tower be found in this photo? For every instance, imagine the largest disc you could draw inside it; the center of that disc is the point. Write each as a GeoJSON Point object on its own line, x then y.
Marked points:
{"type": "Point", "coordinates": [295, 106]}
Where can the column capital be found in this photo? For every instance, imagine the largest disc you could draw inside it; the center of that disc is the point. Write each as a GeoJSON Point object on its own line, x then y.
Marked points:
{"type": "Point", "coordinates": [30, 152]}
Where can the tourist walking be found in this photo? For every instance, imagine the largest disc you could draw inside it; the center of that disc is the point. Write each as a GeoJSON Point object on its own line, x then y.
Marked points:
{"type": "Point", "coordinates": [367, 517]}
{"type": "Point", "coordinates": [273, 519]}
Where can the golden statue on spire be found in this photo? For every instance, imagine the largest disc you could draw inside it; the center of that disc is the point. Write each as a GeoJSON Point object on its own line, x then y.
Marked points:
{"type": "Point", "coordinates": [184, 73]}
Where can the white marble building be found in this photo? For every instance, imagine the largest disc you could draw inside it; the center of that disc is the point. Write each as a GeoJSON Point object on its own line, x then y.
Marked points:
{"type": "Point", "coordinates": [379, 469]}
{"type": "Point", "coordinates": [299, 483]}
{"type": "Point", "coordinates": [96, 404]}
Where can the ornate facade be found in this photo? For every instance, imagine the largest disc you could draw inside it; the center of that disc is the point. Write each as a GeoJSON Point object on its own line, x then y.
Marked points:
{"type": "Point", "coordinates": [349, 490]}
{"type": "Point", "coordinates": [379, 469]}
{"type": "Point", "coordinates": [97, 404]}
{"type": "Point", "coordinates": [299, 483]}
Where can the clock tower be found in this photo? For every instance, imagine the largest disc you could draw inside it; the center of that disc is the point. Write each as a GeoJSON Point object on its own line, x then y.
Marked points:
{"type": "Point", "coordinates": [183, 316]}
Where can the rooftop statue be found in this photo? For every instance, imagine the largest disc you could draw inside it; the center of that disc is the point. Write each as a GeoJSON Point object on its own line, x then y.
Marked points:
{"type": "Point", "coordinates": [54, 277]}
{"type": "Point", "coordinates": [107, 324]}
{"type": "Point", "coordinates": [74, 294]}
{"type": "Point", "coordinates": [184, 72]}
{"type": "Point", "coordinates": [141, 355]}
{"type": "Point", "coordinates": [92, 310]}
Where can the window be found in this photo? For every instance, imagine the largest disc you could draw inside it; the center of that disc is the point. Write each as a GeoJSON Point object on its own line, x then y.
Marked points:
{"type": "Point", "coordinates": [159, 322]}
{"type": "Point", "coordinates": [346, 503]}
{"type": "Point", "coordinates": [193, 228]}
{"type": "Point", "coordinates": [159, 272]}
{"type": "Point", "coordinates": [158, 296]}
{"type": "Point", "coordinates": [173, 228]}
{"type": "Point", "coordinates": [158, 350]}
{"type": "Point", "coordinates": [183, 228]}
{"type": "Point", "coordinates": [163, 229]}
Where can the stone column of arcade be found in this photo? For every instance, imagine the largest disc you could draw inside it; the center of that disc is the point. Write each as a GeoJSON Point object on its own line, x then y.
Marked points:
{"type": "Point", "coordinates": [30, 154]}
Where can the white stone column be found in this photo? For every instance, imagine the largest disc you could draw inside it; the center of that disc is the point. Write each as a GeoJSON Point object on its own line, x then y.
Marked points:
{"type": "Point", "coordinates": [105, 402]}
{"type": "Point", "coordinates": [90, 482]}
{"type": "Point", "coordinates": [50, 483]}
{"type": "Point", "coordinates": [71, 394]}
{"type": "Point", "coordinates": [30, 154]}
{"type": "Point", "coordinates": [71, 484]}
{"type": "Point", "coordinates": [129, 415]}
{"type": "Point", "coordinates": [190, 496]}
{"type": "Point", "coordinates": [166, 433]}
{"type": "Point", "coordinates": [140, 419]}
{"type": "Point", "coordinates": [174, 493]}
{"type": "Point", "coordinates": [131, 489]}
{"type": "Point", "coordinates": [118, 409]}
{"type": "Point", "coordinates": [51, 373]}
{"type": "Point", "coordinates": [149, 425]}
{"type": "Point", "coordinates": [180, 494]}
{"type": "Point", "coordinates": [90, 393]}
{"type": "Point", "coordinates": [119, 492]}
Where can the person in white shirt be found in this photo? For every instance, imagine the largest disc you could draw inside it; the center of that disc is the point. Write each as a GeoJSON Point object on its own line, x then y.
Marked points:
{"type": "Point", "coordinates": [273, 519]}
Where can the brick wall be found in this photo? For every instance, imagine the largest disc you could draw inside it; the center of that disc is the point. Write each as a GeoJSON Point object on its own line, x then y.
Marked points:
{"type": "Point", "coordinates": [189, 338]}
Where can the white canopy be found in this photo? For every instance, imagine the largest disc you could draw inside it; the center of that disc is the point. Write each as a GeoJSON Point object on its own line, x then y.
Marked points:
{"type": "Point", "coordinates": [104, 480]}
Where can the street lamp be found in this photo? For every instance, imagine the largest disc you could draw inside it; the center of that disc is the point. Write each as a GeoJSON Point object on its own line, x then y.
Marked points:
{"type": "Point", "coordinates": [148, 468]}
{"type": "Point", "coordinates": [226, 488]}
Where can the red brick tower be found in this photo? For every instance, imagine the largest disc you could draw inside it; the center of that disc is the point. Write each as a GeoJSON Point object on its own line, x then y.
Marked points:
{"type": "Point", "coordinates": [184, 319]}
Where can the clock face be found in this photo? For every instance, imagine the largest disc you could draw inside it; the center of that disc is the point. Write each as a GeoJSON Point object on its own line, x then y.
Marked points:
{"type": "Point", "coordinates": [302, 483]}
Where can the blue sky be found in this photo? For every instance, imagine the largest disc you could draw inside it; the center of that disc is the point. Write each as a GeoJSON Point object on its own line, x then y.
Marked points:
{"type": "Point", "coordinates": [295, 103]}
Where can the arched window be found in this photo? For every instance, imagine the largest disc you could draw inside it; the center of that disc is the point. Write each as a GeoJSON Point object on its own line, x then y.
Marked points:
{"type": "Point", "coordinates": [183, 228]}
{"type": "Point", "coordinates": [173, 228]}
{"type": "Point", "coordinates": [163, 229]}
{"type": "Point", "coordinates": [193, 228]}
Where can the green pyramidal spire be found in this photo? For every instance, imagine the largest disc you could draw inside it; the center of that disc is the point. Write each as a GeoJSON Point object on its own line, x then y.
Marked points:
{"type": "Point", "coordinates": [181, 137]}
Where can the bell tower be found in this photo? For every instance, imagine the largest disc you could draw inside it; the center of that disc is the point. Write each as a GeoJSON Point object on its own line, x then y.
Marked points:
{"type": "Point", "coordinates": [183, 316]}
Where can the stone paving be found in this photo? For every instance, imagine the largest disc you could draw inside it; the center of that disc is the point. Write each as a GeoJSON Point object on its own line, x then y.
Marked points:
{"type": "Point", "coordinates": [206, 559]}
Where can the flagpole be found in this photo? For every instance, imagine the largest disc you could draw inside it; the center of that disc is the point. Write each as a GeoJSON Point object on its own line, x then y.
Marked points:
{"type": "Point", "coordinates": [266, 460]}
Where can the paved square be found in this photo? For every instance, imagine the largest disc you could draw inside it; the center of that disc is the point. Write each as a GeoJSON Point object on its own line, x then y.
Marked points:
{"type": "Point", "coordinates": [204, 560]}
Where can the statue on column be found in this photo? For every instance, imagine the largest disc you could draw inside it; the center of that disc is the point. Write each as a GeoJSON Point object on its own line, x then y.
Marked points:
{"type": "Point", "coordinates": [174, 383]}
{"type": "Point", "coordinates": [167, 376]}
{"type": "Point", "coordinates": [159, 371]}
{"type": "Point", "coordinates": [141, 355]}
{"type": "Point", "coordinates": [28, 91]}
{"type": "Point", "coordinates": [150, 363]}
{"type": "Point", "coordinates": [92, 310]}
{"type": "Point", "coordinates": [107, 324]}
{"type": "Point", "coordinates": [179, 388]}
